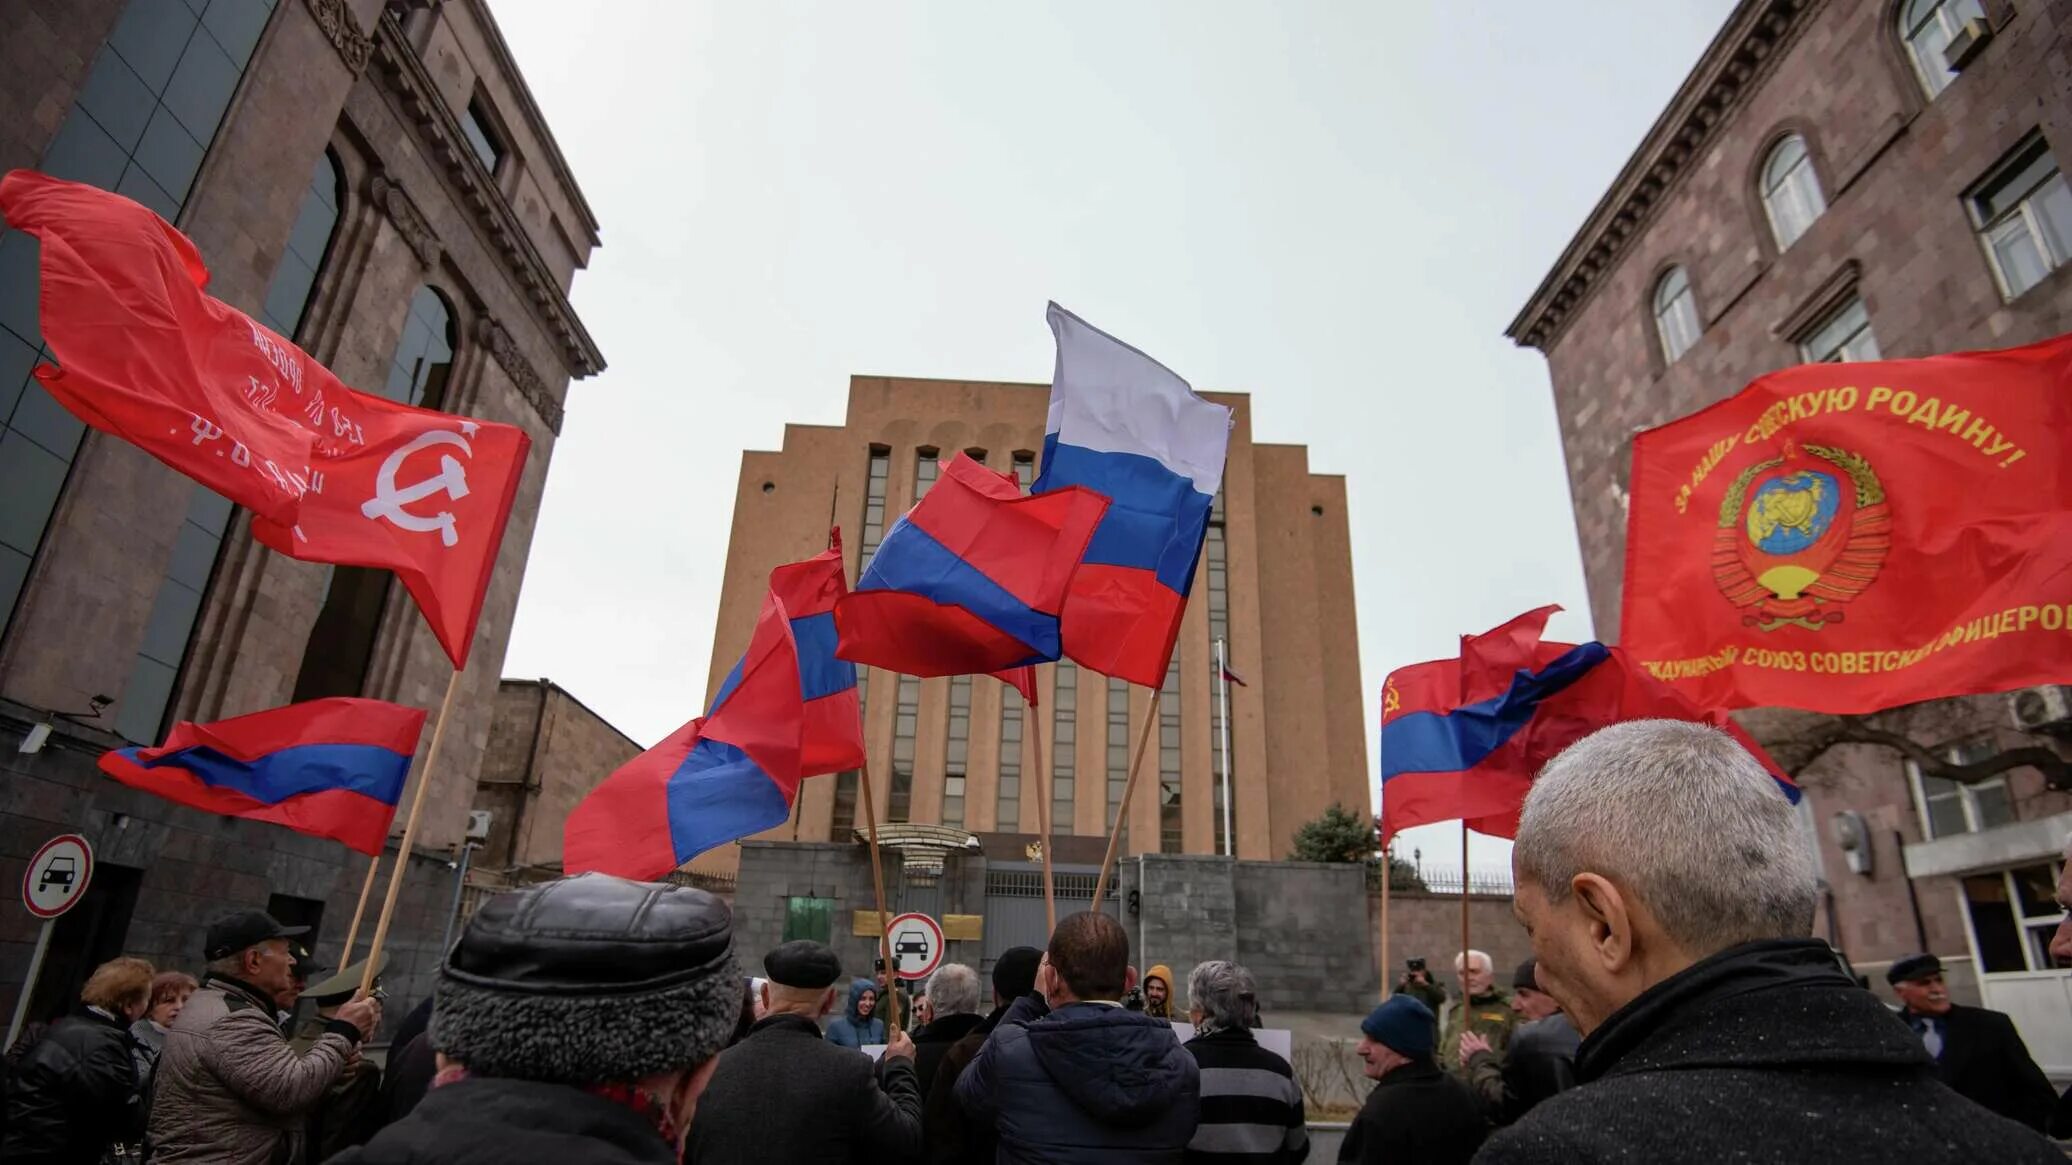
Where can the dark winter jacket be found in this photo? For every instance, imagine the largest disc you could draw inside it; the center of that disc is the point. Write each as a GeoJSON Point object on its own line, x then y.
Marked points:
{"type": "Point", "coordinates": [786, 1095]}
{"type": "Point", "coordinates": [933, 1042]}
{"type": "Point", "coordinates": [952, 1137]}
{"type": "Point", "coordinates": [74, 1094]}
{"type": "Point", "coordinates": [850, 1029]}
{"type": "Point", "coordinates": [1089, 1082]}
{"type": "Point", "coordinates": [408, 1076]}
{"type": "Point", "coordinates": [1416, 1113]}
{"type": "Point", "coordinates": [1251, 1107]}
{"type": "Point", "coordinates": [490, 1121]}
{"type": "Point", "coordinates": [1984, 1058]}
{"type": "Point", "coordinates": [1540, 1062]}
{"type": "Point", "coordinates": [1762, 1052]}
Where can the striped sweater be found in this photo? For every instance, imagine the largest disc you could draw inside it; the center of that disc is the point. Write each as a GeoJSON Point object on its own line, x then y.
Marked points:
{"type": "Point", "coordinates": [1251, 1107]}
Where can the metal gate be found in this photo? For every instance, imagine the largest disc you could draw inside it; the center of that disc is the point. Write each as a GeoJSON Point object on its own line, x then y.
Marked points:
{"type": "Point", "coordinates": [1014, 903]}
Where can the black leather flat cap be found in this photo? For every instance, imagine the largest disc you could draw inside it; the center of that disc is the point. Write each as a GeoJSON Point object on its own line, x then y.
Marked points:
{"type": "Point", "coordinates": [803, 963]}
{"type": "Point", "coordinates": [593, 935]}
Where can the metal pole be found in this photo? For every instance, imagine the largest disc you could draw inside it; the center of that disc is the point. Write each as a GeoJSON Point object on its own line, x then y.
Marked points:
{"type": "Point", "coordinates": [1223, 698]}
{"type": "Point", "coordinates": [460, 881]}
{"type": "Point", "coordinates": [21, 1005]}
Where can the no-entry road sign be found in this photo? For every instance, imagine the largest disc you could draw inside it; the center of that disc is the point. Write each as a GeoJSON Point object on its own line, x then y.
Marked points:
{"type": "Point", "coordinates": [917, 946]}
{"type": "Point", "coordinates": [58, 875]}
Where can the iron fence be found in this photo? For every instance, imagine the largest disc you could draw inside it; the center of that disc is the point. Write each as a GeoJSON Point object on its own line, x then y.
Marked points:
{"type": "Point", "coordinates": [1441, 880]}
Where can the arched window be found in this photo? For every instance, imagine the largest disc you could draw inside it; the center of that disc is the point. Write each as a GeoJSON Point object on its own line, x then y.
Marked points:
{"type": "Point", "coordinates": [294, 281]}
{"type": "Point", "coordinates": [1676, 314]}
{"type": "Point", "coordinates": [1791, 191]}
{"type": "Point", "coordinates": [417, 372]}
{"type": "Point", "coordinates": [341, 643]}
{"type": "Point", "coordinates": [1927, 27]}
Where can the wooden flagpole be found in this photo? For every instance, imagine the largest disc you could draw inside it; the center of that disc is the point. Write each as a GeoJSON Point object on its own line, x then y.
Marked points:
{"type": "Point", "coordinates": [1050, 894]}
{"type": "Point", "coordinates": [366, 891]}
{"type": "Point", "coordinates": [1387, 967]}
{"type": "Point", "coordinates": [1464, 917]}
{"type": "Point", "coordinates": [870, 817]}
{"type": "Point", "coordinates": [395, 886]}
{"type": "Point", "coordinates": [1129, 788]}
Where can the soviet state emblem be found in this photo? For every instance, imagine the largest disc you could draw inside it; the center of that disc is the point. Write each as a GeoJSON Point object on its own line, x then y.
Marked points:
{"type": "Point", "coordinates": [1800, 536]}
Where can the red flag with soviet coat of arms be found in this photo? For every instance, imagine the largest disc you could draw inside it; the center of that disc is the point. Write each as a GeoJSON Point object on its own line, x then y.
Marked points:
{"type": "Point", "coordinates": [330, 474]}
{"type": "Point", "coordinates": [1849, 537]}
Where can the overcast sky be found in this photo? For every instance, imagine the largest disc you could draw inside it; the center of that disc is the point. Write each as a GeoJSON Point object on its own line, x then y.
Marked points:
{"type": "Point", "coordinates": [1336, 207]}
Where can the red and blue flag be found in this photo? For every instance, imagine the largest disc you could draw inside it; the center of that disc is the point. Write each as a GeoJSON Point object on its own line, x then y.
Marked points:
{"type": "Point", "coordinates": [1462, 739]}
{"type": "Point", "coordinates": [971, 580]}
{"type": "Point", "coordinates": [787, 711]}
{"type": "Point", "coordinates": [329, 768]}
{"type": "Point", "coordinates": [1126, 427]}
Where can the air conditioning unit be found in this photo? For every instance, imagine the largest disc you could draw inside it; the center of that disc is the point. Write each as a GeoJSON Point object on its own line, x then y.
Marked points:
{"type": "Point", "coordinates": [1966, 44]}
{"type": "Point", "coordinates": [2042, 709]}
{"type": "Point", "coordinates": [478, 824]}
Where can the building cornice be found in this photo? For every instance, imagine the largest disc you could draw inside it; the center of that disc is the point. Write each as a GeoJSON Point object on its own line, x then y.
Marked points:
{"type": "Point", "coordinates": [1754, 37]}
{"type": "Point", "coordinates": [405, 76]}
{"type": "Point", "coordinates": [534, 117]}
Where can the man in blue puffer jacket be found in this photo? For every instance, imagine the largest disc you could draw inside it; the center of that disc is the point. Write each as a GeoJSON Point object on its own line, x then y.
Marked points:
{"type": "Point", "coordinates": [1089, 1082]}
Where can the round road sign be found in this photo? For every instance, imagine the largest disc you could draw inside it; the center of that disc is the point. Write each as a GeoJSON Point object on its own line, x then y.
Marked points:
{"type": "Point", "coordinates": [917, 946]}
{"type": "Point", "coordinates": [58, 875]}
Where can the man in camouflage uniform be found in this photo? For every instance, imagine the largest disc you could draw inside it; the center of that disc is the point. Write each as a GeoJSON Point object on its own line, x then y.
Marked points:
{"type": "Point", "coordinates": [1482, 1009]}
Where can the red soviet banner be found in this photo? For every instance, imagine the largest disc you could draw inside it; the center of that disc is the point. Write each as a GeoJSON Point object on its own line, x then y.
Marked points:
{"type": "Point", "coordinates": [330, 474]}
{"type": "Point", "coordinates": [1849, 537]}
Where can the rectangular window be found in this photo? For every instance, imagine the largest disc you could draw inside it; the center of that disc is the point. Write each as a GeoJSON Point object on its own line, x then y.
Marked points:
{"type": "Point", "coordinates": [906, 716]}
{"type": "Point", "coordinates": [1007, 814]}
{"type": "Point", "coordinates": [927, 467]}
{"type": "Point", "coordinates": [874, 505]}
{"type": "Point", "coordinates": [1948, 808]}
{"type": "Point", "coordinates": [1118, 745]}
{"type": "Point", "coordinates": [478, 127]}
{"type": "Point", "coordinates": [2023, 212]}
{"type": "Point", "coordinates": [1064, 746]}
{"type": "Point", "coordinates": [1843, 338]}
{"type": "Point", "coordinates": [1024, 470]}
{"type": "Point", "coordinates": [146, 115]}
{"type": "Point", "coordinates": [842, 822]}
{"type": "Point", "coordinates": [810, 919]}
{"type": "Point", "coordinates": [2013, 914]}
{"type": "Point", "coordinates": [957, 751]}
{"type": "Point", "coordinates": [1171, 826]}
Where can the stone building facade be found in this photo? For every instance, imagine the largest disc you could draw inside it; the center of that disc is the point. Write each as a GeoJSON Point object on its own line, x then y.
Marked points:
{"type": "Point", "coordinates": [1275, 582]}
{"type": "Point", "coordinates": [1840, 180]}
{"type": "Point", "coordinates": [375, 181]}
{"type": "Point", "coordinates": [547, 750]}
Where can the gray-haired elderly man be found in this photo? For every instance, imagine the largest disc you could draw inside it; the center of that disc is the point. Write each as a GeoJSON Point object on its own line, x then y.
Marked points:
{"type": "Point", "coordinates": [1251, 1107]}
{"type": "Point", "coordinates": [954, 990]}
{"type": "Point", "coordinates": [1669, 894]}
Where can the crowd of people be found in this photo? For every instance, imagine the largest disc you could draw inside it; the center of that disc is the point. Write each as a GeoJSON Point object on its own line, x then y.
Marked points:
{"type": "Point", "coordinates": [1675, 1009]}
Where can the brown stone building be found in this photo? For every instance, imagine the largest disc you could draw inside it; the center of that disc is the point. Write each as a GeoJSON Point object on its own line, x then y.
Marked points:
{"type": "Point", "coordinates": [1275, 582]}
{"type": "Point", "coordinates": [375, 181]}
{"type": "Point", "coordinates": [546, 751]}
{"type": "Point", "coordinates": [1840, 180]}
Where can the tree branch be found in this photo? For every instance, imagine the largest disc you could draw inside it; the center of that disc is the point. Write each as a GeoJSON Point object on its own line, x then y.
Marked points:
{"type": "Point", "coordinates": [1798, 752]}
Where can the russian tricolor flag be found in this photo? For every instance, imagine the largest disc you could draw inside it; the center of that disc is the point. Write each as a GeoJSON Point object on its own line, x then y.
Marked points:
{"type": "Point", "coordinates": [971, 580]}
{"type": "Point", "coordinates": [329, 768]}
{"type": "Point", "coordinates": [1462, 739]}
{"type": "Point", "coordinates": [1124, 426]}
{"type": "Point", "coordinates": [787, 711]}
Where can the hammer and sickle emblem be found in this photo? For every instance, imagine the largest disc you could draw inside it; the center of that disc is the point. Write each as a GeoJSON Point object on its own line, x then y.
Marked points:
{"type": "Point", "coordinates": [388, 500]}
{"type": "Point", "coordinates": [1391, 700]}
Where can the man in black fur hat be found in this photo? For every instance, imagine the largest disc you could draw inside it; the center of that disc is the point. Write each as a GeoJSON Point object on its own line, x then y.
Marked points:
{"type": "Point", "coordinates": [577, 1019]}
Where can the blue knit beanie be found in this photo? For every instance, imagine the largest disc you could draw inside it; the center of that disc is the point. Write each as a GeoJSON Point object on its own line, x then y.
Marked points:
{"type": "Point", "coordinates": [1403, 1024]}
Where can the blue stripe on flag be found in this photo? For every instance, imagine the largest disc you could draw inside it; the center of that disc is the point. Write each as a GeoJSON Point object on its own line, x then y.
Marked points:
{"type": "Point", "coordinates": [304, 768]}
{"type": "Point", "coordinates": [1156, 519]}
{"type": "Point", "coordinates": [1456, 741]}
{"type": "Point", "coordinates": [820, 673]}
{"type": "Point", "coordinates": [911, 560]}
{"type": "Point", "coordinates": [719, 795]}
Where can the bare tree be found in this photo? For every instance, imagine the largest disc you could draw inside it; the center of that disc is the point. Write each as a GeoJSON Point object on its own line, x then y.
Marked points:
{"type": "Point", "coordinates": [1921, 733]}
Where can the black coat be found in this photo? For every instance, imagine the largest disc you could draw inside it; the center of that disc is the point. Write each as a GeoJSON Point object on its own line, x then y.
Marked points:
{"type": "Point", "coordinates": [1539, 1062]}
{"type": "Point", "coordinates": [785, 1094]}
{"type": "Point", "coordinates": [931, 1043]}
{"type": "Point", "coordinates": [951, 1137]}
{"type": "Point", "coordinates": [1416, 1113]}
{"type": "Point", "coordinates": [74, 1094]}
{"type": "Point", "coordinates": [1762, 1052]}
{"type": "Point", "coordinates": [1089, 1083]}
{"type": "Point", "coordinates": [490, 1121]}
{"type": "Point", "coordinates": [1983, 1057]}
{"type": "Point", "coordinates": [408, 1077]}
